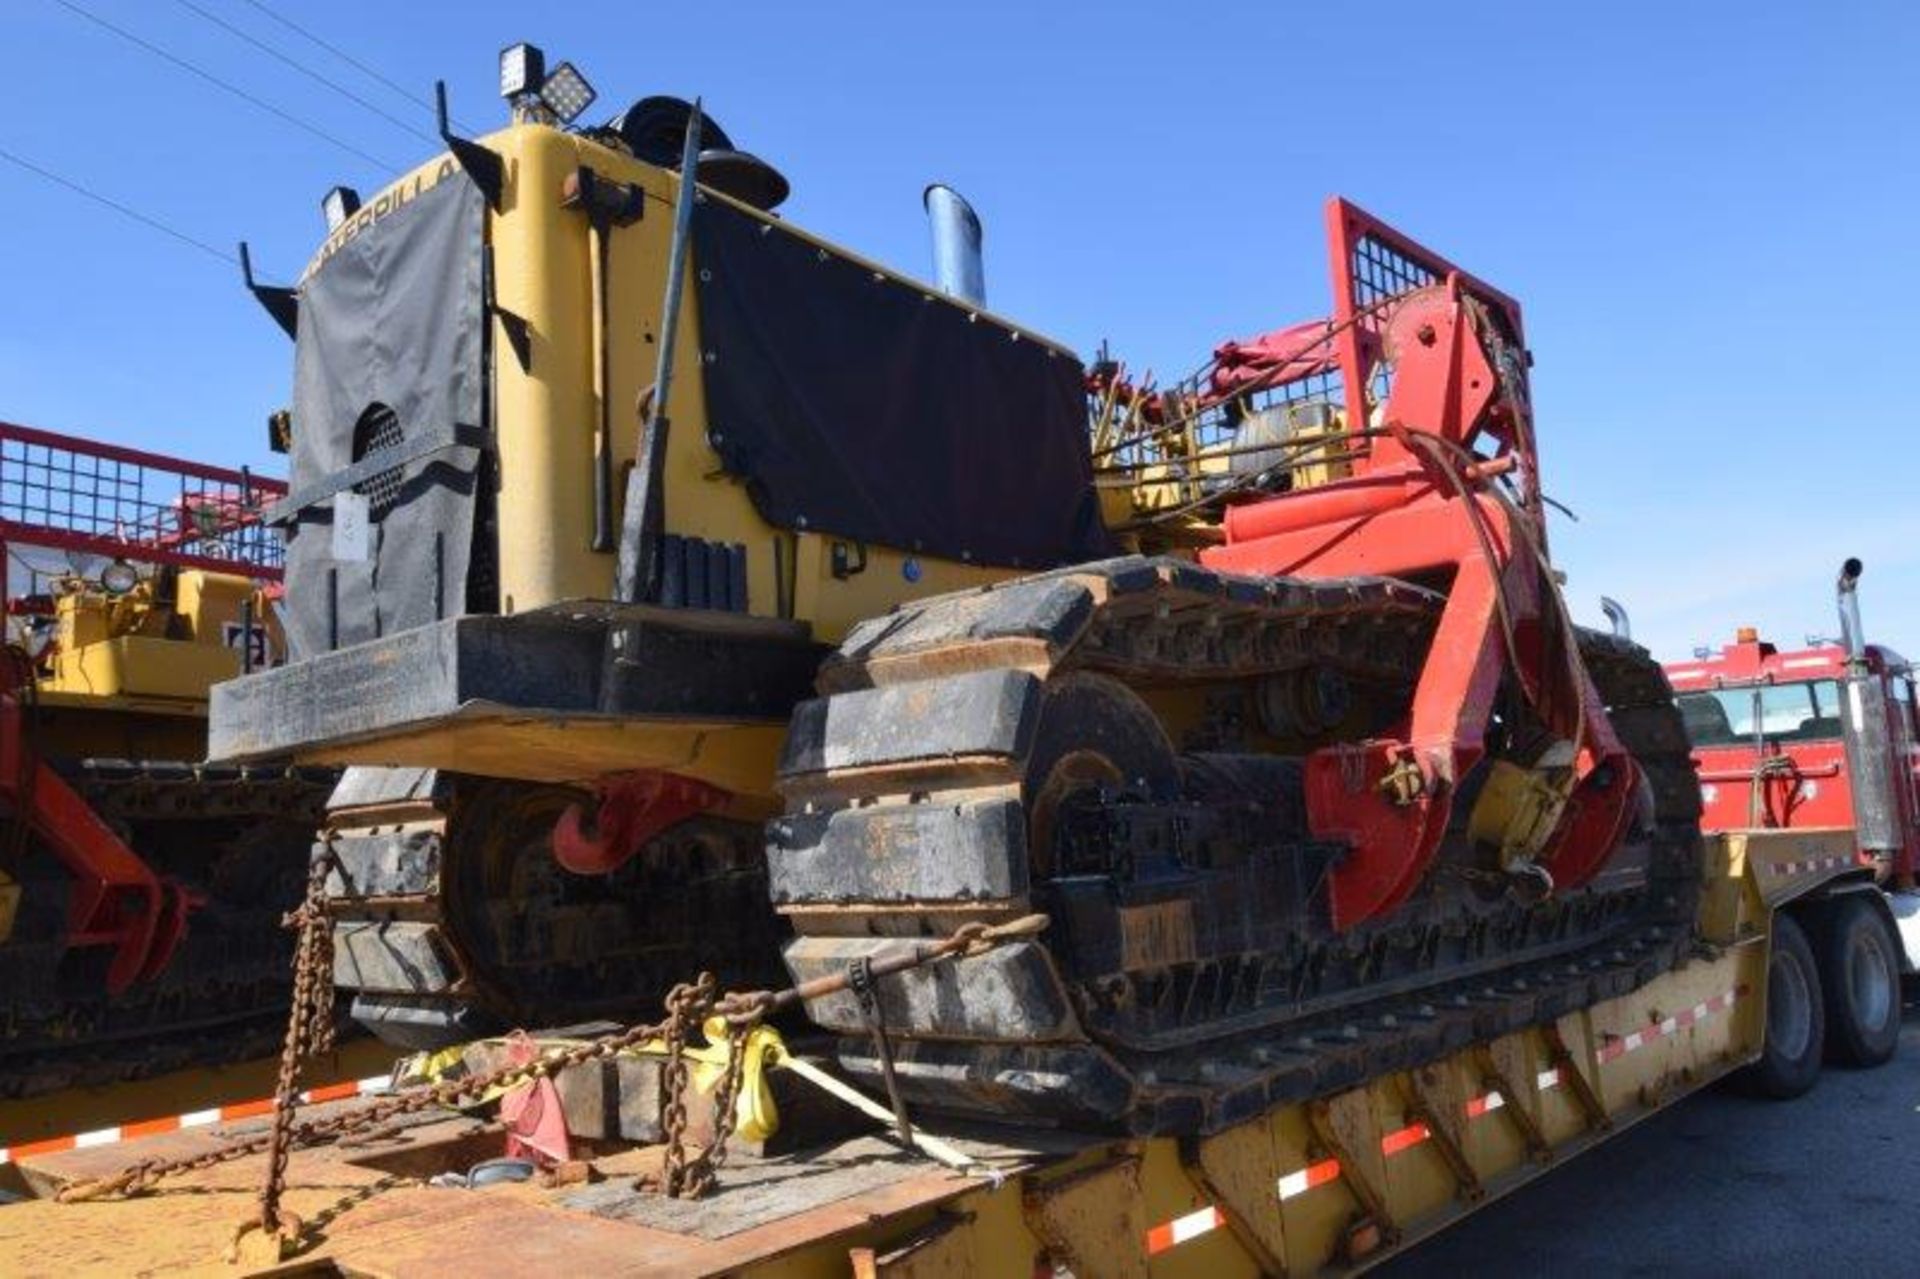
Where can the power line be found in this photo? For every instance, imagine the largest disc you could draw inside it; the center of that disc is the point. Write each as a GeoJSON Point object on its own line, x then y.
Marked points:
{"type": "Point", "coordinates": [348, 58]}
{"type": "Point", "coordinates": [117, 207]}
{"type": "Point", "coordinates": [304, 69]}
{"type": "Point", "coordinates": [234, 89]}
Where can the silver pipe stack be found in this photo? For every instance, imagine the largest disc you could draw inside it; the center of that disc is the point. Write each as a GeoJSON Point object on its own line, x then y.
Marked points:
{"type": "Point", "coordinates": [957, 268]}
{"type": "Point", "coordinates": [1864, 729]}
{"type": "Point", "coordinates": [1851, 633]}
{"type": "Point", "coordinates": [1617, 617]}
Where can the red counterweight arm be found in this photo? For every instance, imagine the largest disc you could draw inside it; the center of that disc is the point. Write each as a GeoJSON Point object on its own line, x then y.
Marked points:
{"type": "Point", "coordinates": [116, 899]}
{"type": "Point", "coordinates": [1602, 801]}
{"type": "Point", "coordinates": [70, 494]}
{"type": "Point", "coordinates": [629, 810]}
{"type": "Point", "coordinates": [1393, 803]}
{"type": "Point", "coordinates": [1422, 502]}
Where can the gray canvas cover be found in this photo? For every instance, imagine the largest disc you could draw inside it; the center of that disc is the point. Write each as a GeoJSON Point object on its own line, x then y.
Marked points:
{"type": "Point", "coordinates": [395, 318]}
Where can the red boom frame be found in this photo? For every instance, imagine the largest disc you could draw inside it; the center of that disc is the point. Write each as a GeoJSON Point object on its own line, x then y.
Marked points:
{"type": "Point", "coordinates": [1426, 501]}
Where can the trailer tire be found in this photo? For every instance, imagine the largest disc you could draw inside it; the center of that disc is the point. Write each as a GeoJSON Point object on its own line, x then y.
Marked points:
{"type": "Point", "coordinates": [1796, 1017]}
{"type": "Point", "coordinates": [1860, 982]}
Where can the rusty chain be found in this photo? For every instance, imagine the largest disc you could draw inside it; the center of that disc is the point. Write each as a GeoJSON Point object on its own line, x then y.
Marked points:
{"type": "Point", "coordinates": [313, 965]}
{"type": "Point", "coordinates": [673, 1082]}
{"type": "Point", "coordinates": [309, 1032]}
{"type": "Point", "coordinates": [687, 1004]}
{"type": "Point", "coordinates": [453, 1093]}
{"type": "Point", "coordinates": [309, 1024]}
{"type": "Point", "coordinates": [696, 1178]}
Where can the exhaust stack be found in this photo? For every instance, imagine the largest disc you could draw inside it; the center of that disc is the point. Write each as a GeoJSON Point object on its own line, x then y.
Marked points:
{"type": "Point", "coordinates": [957, 269]}
{"type": "Point", "coordinates": [1617, 617]}
{"type": "Point", "coordinates": [1851, 634]}
{"type": "Point", "coordinates": [1864, 729]}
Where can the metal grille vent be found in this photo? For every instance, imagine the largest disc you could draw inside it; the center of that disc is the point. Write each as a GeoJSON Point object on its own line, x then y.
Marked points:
{"type": "Point", "coordinates": [378, 430]}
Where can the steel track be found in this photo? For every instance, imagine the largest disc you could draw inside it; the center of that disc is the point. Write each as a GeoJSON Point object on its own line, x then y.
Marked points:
{"type": "Point", "coordinates": [230, 834]}
{"type": "Point", "coordinates": [885, 838]}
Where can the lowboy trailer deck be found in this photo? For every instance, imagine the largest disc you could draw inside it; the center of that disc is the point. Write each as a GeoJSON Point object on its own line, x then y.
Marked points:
{"type": "Point", "coordinates": [1334, 880]}
{"type": "Point", "coordinates": [1338, 1182]}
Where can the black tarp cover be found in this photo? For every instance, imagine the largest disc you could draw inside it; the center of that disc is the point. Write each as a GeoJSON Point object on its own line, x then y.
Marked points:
{"type": "Point", "coordinates": [394, 317]}
{"type": "Point", "coordinates": [855, 405]}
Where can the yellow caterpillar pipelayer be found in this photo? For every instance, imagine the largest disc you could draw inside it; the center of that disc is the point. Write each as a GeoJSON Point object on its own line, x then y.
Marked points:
{"type": "Point", "coordinates": [530, 361]}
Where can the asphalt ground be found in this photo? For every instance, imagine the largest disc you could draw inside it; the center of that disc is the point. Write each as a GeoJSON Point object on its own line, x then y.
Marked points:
{"type": "Point", "coordinates": [1723, 1185]}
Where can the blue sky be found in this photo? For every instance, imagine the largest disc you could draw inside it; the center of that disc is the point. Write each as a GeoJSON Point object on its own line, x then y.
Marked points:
{"type": "Point", "coordinates": [1707, 209]}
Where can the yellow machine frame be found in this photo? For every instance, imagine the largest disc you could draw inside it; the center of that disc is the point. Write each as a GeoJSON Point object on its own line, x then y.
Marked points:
{"type": "Point", "coordinates": [546, 273]}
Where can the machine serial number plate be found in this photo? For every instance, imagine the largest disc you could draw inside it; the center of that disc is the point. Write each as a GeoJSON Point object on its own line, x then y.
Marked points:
{"type": "Point", "coordinates": [352, 528]}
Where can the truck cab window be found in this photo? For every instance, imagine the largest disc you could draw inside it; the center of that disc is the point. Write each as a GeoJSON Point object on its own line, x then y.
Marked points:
{"type": "Point", "coordinates": [1799, 712]}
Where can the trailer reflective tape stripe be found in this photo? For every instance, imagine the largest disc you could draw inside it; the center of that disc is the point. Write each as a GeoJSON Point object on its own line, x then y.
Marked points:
{"type": "Point", "coordinates": [46, 1146]}
{"type": "Point", "coordinates": [1808, 865]}
{"type": "Point", "coordinates": [1619, 1046]}
{"type": "Point", "coordinates": [1400, 1139]}
{"type": "Point", "coordinates": [1172, 1234]}
{"type": "Point", "coordinates": [192, 1119]}
{"type": "Point", "coordinates": [349, 1088]}
{"type": "Point", "coordinates": [1800, 663]}
{"type": "Point", "coordinates": [1298, 1183]}
{"type": "Point", "coordinates": [1718, 1004]}
{"type": "Point", "coordinates": [1181, 1229]}
{"type": "Point", "coordinates": [1404, 1138]}
{"type": "Point", "coordinates": [247, 1109]}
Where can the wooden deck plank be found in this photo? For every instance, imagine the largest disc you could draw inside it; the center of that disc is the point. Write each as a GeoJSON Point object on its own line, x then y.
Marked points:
{"type": "Point", "coordinates": [369, 1218]}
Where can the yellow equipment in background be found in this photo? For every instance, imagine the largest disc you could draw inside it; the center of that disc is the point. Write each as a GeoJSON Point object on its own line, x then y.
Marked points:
{"type": "Point", "coordinates": [144, 660]}
{"type": "Point", "coordinates": [140, 889]}
{"type": "Point", "coordinates": [139, 645]}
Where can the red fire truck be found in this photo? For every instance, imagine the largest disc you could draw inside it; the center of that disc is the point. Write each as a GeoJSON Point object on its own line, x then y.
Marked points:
{"type": "Point", "coordinates": [1820, 738]}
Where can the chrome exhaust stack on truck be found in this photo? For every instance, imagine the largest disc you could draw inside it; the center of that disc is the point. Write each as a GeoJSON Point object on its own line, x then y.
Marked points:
{"type": "Point", "coordinates": [1864, 725]}
{"type": "Point", "coordinates": [1870, 761]}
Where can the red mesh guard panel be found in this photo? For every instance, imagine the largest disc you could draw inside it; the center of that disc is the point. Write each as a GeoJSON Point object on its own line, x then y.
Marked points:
{"type": "Point", "coordinates": [78, 495]}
